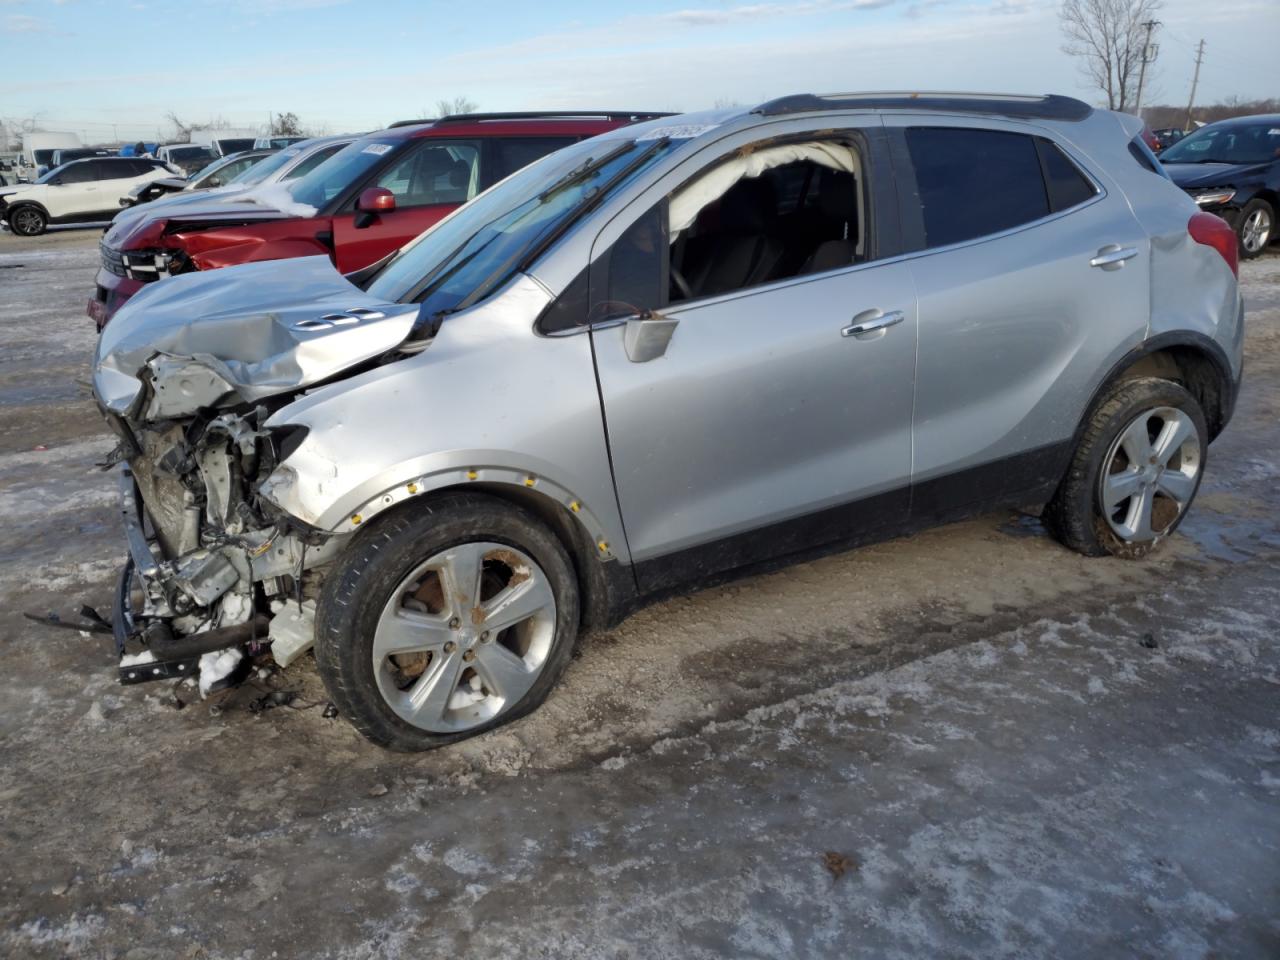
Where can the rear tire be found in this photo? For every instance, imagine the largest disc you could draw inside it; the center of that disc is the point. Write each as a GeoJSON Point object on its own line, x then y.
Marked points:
{"type": "Point", "coordinates": [445, 619]}
{"type": "Point", "coordinates": [27, 220]}
{"type": "Point", "coordinates": [1134, 473]}
{"type": "Point", "coordinates": [1257, 228]}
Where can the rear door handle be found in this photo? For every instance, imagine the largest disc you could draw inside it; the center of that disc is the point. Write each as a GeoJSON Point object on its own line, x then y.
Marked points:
{"type": "Point", "coordinates": [1113, 256]}
{"type": "Point", "coordinates": [871, 321]}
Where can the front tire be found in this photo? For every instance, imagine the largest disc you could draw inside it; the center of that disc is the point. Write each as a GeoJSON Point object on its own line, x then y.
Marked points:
{"type": "Point", "coordinates": [1134, 473]}
{"type": "Point", "coordinates": [27, 221]}
{"type": "Point", "coordinates": [445, 619]}
{"type": "Point", "coordinates": [1257, 228]}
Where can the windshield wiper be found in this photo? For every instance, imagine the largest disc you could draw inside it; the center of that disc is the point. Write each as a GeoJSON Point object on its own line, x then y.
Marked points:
{"type": "Point", "coordinates": [521, 259]}
{"type": "Point", "coordinates": [584, 170]}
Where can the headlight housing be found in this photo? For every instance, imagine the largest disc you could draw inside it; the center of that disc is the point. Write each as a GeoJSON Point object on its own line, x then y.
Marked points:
{"type": "Point", "coordinates": [148, 265]}
{"type": "Point", "coordinates": [1211, 198]}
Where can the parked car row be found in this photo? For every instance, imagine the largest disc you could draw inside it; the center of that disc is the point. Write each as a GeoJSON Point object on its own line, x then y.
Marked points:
{"type": "Point", "coordinates": [354, 200]}
{"type": "Point", "coordinates": [472, 387]}
{"type": "Point", "coordinates": [82, 191]}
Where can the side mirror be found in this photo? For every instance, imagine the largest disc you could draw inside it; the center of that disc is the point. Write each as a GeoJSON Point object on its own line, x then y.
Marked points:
{"type": "Point", "coordinates": [372, 201]}
{"type": "Point", "coordinates": [645, 337]}
{"type": "Point", "coordinates": [376, 200]}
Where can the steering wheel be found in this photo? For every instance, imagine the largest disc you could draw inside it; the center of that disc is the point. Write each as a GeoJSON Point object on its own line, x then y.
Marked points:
{"type": "Point", "coordinates": [685, 291]}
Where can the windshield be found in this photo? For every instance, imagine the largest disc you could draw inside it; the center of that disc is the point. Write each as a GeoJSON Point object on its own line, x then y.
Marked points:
{"type": "Point", "coordinates": [55, 172]}
{"type": "Point", "coordinates": [189, 153]}
{"type": "Point", "coordinates": [1230, 143]}
{"type": "Point", "coordinates": [236, 144]}
{"type": "Point", "coordinates": [41, 157]}
{"type": "Point", "coordinates": [208, 168]}
{"type": "Point", "coordinates": [265, 168]}
{"type": "Point", "coordinates": [337, 173]}
{"type": "Point", "coordinates": [471, 253]}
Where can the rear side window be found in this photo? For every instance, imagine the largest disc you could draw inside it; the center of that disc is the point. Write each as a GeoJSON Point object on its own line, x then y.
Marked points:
{"type": "Point", "coordinates": [512, 153]}
{"type": "Point", "coordinates": [1142, 153]}
{"type": "Point", "coordinates": [972, 183]}
{"type": "Point", "coordinates": [1066, 185]}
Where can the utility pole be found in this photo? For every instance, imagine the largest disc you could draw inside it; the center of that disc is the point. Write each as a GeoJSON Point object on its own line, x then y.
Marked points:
{"type": "Point", "coordinates": [1149, 52]}
{"type": "Point", "coordinates": [1194, 81]}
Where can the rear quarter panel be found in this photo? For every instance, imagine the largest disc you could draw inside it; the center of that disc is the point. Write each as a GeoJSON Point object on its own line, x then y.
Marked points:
{"type": "Point", "coordinates": [1192, 288]}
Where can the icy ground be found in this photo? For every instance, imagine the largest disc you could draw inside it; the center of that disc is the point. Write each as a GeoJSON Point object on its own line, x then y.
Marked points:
{"type": "Point", "coordinates": [969, 743]}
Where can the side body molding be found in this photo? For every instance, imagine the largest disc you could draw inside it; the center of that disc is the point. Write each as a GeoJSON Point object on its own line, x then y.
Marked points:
{"type": "Point", "coordinates": [488, 402]}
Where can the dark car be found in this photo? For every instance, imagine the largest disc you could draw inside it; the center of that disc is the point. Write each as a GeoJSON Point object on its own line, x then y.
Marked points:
{"type": "Point", "coordinates": [1168, 136]}
{"type": "Point", "coordinates": [1232, 168]}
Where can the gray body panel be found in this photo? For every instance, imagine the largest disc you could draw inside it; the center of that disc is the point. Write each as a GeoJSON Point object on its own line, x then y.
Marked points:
{"type": "Point", "coordinates": [758, 410]}
{"type": "Point", "coordinates": [1016, 329]}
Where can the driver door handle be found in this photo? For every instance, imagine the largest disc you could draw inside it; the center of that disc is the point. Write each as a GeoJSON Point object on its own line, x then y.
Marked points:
{"type": "Point", "coordinates": [871, 321]}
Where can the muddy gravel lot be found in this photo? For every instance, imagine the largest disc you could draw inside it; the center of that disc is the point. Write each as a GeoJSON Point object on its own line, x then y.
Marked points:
{"type": "Point", "coordinates": [968, 743]}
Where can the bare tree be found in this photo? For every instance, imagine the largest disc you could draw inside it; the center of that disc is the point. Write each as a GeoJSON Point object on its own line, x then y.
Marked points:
{"type": "Point", "coordinates": [181, 130]}
{"type": "Point", "coordinates": [286, 125]}
{"type": "Point", "coordinates": [445, 108]}
{"type": "Point", "coordinates": [1108, 36]}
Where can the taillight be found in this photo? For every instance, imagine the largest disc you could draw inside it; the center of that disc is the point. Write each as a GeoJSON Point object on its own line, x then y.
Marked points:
{"type": "Point", "coordinates": [1215, 232]}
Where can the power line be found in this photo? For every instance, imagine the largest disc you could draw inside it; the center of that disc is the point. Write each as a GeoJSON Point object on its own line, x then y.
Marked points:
{"type": "Point", "coordinates": [1149, 53]}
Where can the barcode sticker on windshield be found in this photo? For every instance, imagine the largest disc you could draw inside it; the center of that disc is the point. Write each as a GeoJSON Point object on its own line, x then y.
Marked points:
{"type": "Point", "coordinates": [377, 148]}
{"type": "Point", "coordinates": [681, 131]}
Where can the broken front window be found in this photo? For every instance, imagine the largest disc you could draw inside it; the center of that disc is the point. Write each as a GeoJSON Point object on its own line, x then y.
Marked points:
{"type": "Point", "coordinates": [762, 214]}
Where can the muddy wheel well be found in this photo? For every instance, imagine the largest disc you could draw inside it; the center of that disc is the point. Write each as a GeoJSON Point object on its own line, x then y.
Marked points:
{"type": "Point", "coordinates": [592, 585]}
{"type": "Point", "coordinates": [1194, 369]}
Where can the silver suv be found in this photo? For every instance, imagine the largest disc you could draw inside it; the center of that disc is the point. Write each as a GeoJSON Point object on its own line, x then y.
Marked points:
{"type": "Point", "coordinates": [678, 352]}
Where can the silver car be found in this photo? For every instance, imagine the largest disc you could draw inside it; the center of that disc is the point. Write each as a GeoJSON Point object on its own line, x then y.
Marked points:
{"type": "Point", "coordinates": [679, 352]}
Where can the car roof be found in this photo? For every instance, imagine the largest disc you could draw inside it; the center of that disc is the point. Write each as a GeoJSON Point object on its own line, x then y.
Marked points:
{"type": "Point", "coordinates": [545, 123]}
{"type": "Point", "coordinates": [1242, 121]}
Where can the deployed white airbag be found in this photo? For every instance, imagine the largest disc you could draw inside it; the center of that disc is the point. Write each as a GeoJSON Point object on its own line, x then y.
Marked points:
{"type": "Point", "coordinates": [689, 200]}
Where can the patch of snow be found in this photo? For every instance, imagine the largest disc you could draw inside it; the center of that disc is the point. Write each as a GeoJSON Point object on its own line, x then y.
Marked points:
{"type": "Point", "coordinates": [216, 666]}
{"type": "Point", "coordinates": [277, 196]}
{"type": "Point", "coordinates": [134, 659]}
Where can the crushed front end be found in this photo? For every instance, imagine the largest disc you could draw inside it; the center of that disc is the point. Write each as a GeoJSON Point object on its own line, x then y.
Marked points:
{"type": "Point", "coordinates": [187, 378]}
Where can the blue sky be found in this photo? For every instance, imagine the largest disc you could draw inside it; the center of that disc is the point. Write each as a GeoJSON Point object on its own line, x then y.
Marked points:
{"type": "Point", "coordinates": [86, 65]}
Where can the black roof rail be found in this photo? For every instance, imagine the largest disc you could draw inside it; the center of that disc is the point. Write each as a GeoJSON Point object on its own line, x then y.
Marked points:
{"type": "Point", "coordinates": [410, 123]}
{"type": "Point", "coordinates": [1048, 107]}
{"type": "Point", "coordinates": [553, 115]}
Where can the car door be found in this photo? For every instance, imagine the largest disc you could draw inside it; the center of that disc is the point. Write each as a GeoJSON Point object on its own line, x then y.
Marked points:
{"type": "Point", "coordinates": [75, 192]}
{"type": "Point", "coordinates": [432, 178]}
{"type": "Point", "coordinates": [777, 418]}
{"type": "Point", "coordinates": [1033, 277]}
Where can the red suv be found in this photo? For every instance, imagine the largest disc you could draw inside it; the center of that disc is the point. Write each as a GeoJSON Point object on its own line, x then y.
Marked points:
{"type": "Point", "coordinates": [369, 199]}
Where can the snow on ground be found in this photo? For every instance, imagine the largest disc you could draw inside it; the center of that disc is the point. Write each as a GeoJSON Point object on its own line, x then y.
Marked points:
{"type": "Point", "coordinates": [1005, 749]}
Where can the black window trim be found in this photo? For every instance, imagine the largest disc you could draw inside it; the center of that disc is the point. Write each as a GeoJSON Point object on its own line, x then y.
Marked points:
{"type": "Point", "coordinates": [884, 233]}
{"type": "Point", "coordinates": [911, 221]}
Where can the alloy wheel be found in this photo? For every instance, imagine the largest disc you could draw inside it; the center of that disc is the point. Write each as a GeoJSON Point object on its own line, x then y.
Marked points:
{"type": "Point", "coordinates": [26, 221]}
{"type": "Point", "coordinates": [1150, 474]}
{"type": "Point", "coordinates": [1255, 232]}
{"type": "Point", "coordinates": [464, 636]}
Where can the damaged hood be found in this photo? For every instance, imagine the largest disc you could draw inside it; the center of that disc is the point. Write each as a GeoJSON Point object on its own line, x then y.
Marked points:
{"type": "Point", "coordinates": [194, 208]}
{"type": "Point", "coordinates": [241, 334]}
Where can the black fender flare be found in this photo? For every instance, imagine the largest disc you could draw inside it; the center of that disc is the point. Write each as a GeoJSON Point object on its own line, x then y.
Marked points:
{"type": "Point", "coordinates": [14, 205]}
{"type": "Point", "coordinates": [1187, 339]}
